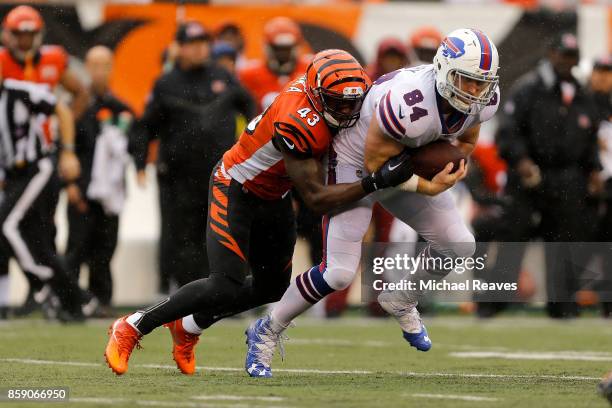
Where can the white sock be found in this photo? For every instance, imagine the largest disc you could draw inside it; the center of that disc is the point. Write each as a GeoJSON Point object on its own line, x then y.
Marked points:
{"type": "Point", "coordinates": [291, 305]}
{"type": "Point", "coordinates": [133, 319]}
{"type": "Point", "coordinates": [190, 325]}
{"type": "Point", "coordinates": [4, 290]}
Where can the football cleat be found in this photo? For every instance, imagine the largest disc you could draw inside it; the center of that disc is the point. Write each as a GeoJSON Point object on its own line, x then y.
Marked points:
{"type": "Point", "coordinates": [183, 345]}
{"type": "Point", "coordinates": [419, 340]}
{"type": "Point", "coordinates": [409, 319]}
{"type": "Point", "coordinates": [261, 344]}
{"type": "Point", "coordinates": [121, 341]}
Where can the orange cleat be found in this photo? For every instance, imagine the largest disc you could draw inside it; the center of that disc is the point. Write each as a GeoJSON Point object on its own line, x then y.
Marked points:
{"type": "Point", "coordinates": [182, 349]}
{"type": "Point", "coordinates": [122, 340]}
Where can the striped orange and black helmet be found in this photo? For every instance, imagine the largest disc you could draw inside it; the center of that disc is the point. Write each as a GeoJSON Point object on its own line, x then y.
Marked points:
{"type": "Point", "coordinates": [336, 85]}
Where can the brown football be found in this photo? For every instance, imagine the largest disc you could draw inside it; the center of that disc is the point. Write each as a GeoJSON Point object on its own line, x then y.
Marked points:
{"type": "Point", "coordinates": [430, 159]}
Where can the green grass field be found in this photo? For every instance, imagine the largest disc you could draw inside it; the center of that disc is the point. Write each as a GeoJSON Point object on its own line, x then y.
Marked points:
{"type": "Point", "coordinates": [507, 362]}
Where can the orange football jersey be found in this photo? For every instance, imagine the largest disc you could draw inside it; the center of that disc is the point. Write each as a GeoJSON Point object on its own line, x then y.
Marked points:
{"type": "Point", "coordinates": [256, 160]}
{"type": "Point", "coordinates": [47, 66]}
{"type": "Point", "coordinates": [264, 84]}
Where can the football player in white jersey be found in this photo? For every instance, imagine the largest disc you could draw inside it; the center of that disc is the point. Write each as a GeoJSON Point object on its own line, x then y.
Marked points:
{"type": "Point", "coordinates": [410, 107]}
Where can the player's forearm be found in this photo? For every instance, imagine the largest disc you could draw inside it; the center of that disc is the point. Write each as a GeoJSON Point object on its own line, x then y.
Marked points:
{"type": "Point", "coordinates": [379, 148]}
{"type": "Point", "coordinates": [80, 102]}
{"type": "Point", "coordinates": [324, 198]}
{"type": "Point", "coordinates": [374, 160]}
{"type": "Point", "coordinates": [80, 94]}
{"type": "Point", "coordinates": [66, 124]}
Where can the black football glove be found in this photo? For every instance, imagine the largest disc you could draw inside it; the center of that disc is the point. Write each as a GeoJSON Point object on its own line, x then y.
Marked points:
{"type": "Point", "coordinates": [393, 172]}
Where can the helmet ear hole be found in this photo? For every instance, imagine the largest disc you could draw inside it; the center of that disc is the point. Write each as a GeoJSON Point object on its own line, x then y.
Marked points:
{"type": "Point", "coordinates": [439, 65]}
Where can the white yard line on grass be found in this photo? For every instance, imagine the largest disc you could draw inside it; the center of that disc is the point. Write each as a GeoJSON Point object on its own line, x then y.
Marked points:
{"type": "Point", "coordinates": [337, 342]}
{"type": "Point", "coordinates": [157, 403]}
{"type": "Point", "coordinates": [533, 355]}
{"type": "Point", "coordinates": [470, 347]}
{"type": "Point", "coordinates": [309, 371]}
{"type": "Point", "coordinates": [223, 397]}
{"type": "Point", "coordinates": [454, 397]}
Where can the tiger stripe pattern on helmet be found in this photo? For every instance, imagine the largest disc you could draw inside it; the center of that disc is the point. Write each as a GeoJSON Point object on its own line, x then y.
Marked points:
{"type": "Point", "coordinates": [336, 75]}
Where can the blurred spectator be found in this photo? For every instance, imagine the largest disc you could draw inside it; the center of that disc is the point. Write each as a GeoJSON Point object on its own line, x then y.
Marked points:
{"type": "Point", "coordinates": [283, 62]}
{"type": "Point", "coordinates": [224, 54]}
{"type": "Point", "coordinates": [97, 197]}
{"type": "Point", "coordinates": [601, 86]}
{"type": "Point", "coordinates": [25, 58]}
{"type": "Point", "coordinates": [230, 33]}
{"type": "Point", "coordinates": [192, 111]}
{"type": "Point", "coordinates": [423, 44]}
{"type": "Point", "coordinates": [392, 54]}
{"type": "Point", "coordinates": [548, 137]}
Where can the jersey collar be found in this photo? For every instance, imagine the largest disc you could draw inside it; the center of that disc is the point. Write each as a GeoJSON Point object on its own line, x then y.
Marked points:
{"type": "Point", "coordinates": [454, 122]}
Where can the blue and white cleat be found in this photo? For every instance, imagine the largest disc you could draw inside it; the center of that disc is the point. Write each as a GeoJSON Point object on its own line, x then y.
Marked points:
{"type": "Point", "coordinates": [420, 340]}
{"type": "Point", "coordinates": [409, 319]}
{"type": "Point", "coordinates": [261, 344]}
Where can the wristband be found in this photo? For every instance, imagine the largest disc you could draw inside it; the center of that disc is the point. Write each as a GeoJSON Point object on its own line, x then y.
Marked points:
{"type": "Point", "coordinates": [68, 147]}
{"type": "Point", "coordinates": [369, 184]}
{"type": "Point", "coordinates": [411, 184]}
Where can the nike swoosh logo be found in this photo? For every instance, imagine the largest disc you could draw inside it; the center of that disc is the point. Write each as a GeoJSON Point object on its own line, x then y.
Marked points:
{"type": "Point", "coordinates": [401, 115]}
{"type": "Point", "coordinates": [289, 144]}
{"type": "Point", "coordinates": [391, 168]}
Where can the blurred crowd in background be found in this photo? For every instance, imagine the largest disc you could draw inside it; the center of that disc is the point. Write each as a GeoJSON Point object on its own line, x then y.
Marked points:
{"type": "Point", "coordinates": [545, 176]}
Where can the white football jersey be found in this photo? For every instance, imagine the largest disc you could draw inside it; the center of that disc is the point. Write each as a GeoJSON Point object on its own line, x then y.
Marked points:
{"type": "Point", "coordinates": [406, 106]}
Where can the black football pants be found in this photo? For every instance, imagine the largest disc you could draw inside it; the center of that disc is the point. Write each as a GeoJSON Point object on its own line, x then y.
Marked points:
{"type": "Point", "coordinates": [245, 234]}
{"type": "Point", "coordinates": [28, 227]}
{"type": "Point", "coordinates": [92, 239]}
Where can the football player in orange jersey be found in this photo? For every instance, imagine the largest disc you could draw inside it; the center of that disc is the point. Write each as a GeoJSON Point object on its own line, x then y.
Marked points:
{"type": "Point", "coordinates": [251, 225]}
{"type": "Point", "coordinates": [25, 58]}
{"type": "Point", "coordinates": [265, 79]}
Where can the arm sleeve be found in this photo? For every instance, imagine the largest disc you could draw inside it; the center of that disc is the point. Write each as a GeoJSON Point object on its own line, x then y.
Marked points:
{"type": "Point", "coordinates": [294, 137]}
{"type": "Point", "coordinates": [147, 128]}
{"type": "Point", "coordinates": [514, 130]}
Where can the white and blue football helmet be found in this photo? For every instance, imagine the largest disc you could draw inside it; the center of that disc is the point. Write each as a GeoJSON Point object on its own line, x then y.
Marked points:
{"type": "Point", "coordinates": [466, 54]}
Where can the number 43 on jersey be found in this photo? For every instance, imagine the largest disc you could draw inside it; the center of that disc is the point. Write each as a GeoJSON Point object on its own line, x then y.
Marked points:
{"type": "Point", "coordinates": [312, 120]}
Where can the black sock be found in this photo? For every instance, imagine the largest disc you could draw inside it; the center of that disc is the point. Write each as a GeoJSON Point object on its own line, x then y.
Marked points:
{"type": "Point", "coordinates": [217, 291]}
{"type": "Point", "coordinates": [245, 300]}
